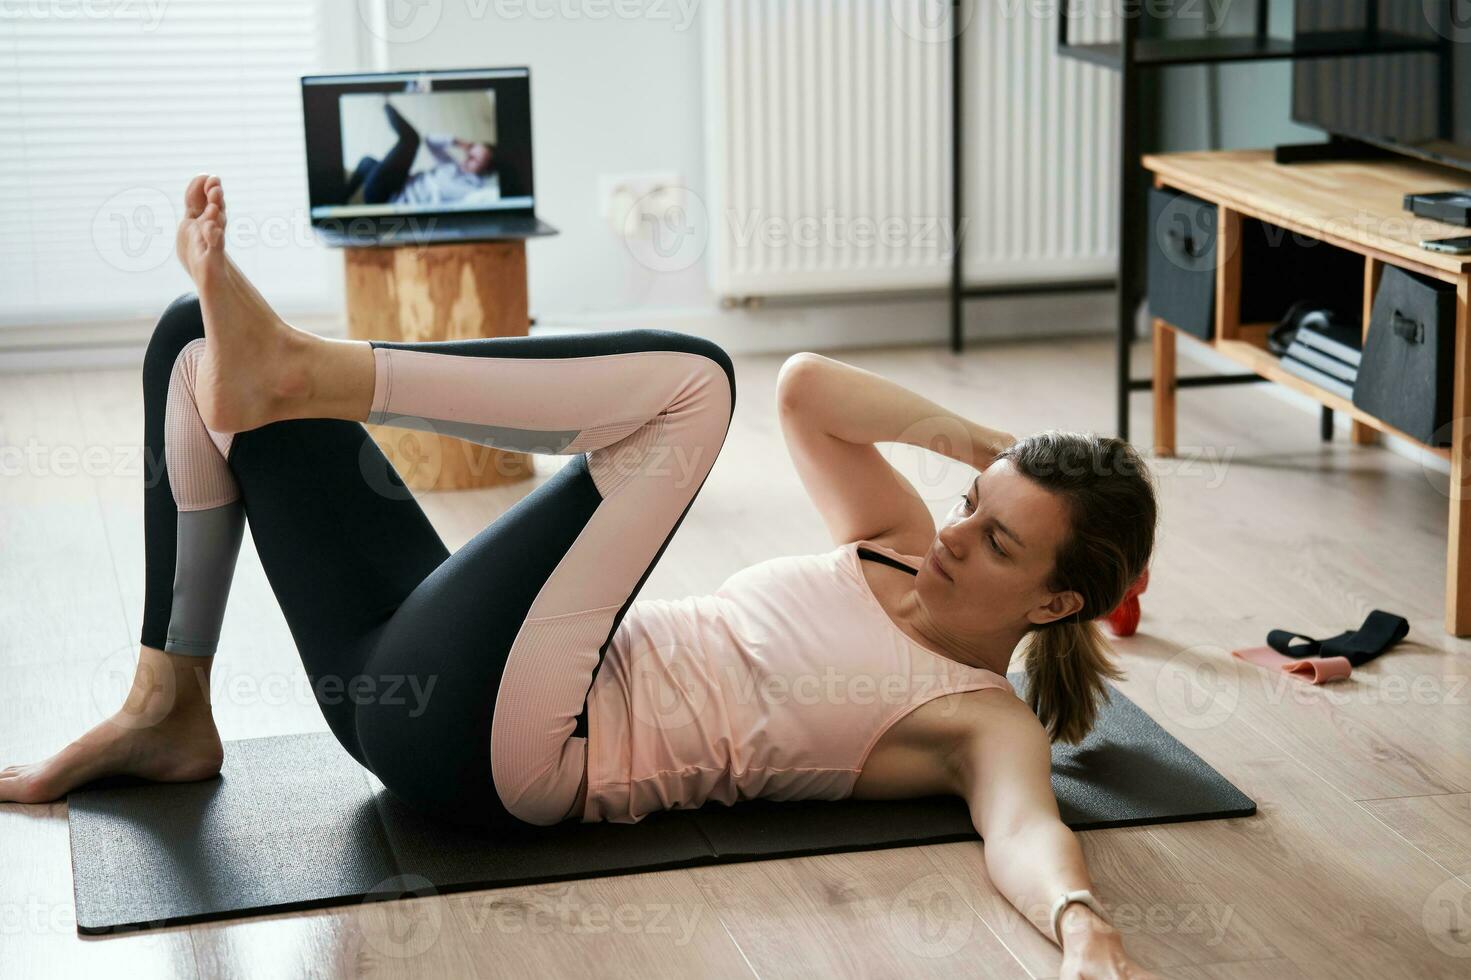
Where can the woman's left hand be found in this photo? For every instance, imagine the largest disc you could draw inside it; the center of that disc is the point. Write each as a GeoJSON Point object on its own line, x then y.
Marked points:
{"type": "Point", "coordinates": [1100, 956]}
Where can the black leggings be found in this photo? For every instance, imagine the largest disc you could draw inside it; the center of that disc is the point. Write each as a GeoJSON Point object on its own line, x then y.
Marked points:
{"type": "Point", "coordinates": [404, 643]}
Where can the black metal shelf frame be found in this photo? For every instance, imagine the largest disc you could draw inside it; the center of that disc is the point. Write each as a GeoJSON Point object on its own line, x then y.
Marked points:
{"type": "Point", "coordinates": [1127, 56]}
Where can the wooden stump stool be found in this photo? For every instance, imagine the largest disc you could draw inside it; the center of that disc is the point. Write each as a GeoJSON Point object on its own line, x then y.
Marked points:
{"type": "Point", "coordinates": [440, 292]}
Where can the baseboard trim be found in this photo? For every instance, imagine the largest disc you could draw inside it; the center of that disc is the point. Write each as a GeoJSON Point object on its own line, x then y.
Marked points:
{"type": "Point", "coordinates": [776, 327]}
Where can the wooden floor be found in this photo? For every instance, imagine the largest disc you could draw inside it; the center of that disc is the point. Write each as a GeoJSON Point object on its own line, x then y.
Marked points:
{"type": "Point", "coordinates": [1358, 864]}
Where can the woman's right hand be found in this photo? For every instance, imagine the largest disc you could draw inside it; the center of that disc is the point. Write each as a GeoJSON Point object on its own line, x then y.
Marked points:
{"type": "Point", "coordinates": [1100, 956]}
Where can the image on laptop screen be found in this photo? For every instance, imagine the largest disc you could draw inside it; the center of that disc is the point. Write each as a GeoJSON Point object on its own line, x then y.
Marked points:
{"type": "Point", "coordinates": [418, 142]}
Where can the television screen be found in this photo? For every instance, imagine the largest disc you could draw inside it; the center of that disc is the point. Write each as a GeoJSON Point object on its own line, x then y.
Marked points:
{"type": "Point", "coordinates": [418, 142]}
{"type": "Point", "coordinates": [1413, 101]}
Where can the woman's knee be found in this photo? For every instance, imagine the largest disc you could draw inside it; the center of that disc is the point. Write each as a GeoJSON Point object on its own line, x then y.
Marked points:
{"type": "Point", "coordinates": [671, 340]}
{"type": "Point", "coordinates": [182, 323]}
{"type": "Point", "coordinates": [714, 352]}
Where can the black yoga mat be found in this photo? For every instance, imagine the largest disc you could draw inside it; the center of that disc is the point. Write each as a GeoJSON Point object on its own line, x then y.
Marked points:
{"type": "Point", "coordinates": [295, 823]}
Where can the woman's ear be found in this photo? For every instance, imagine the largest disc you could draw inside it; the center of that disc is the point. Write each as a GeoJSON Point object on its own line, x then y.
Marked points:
{"type": "Point", "coordinates": [1058, 606]}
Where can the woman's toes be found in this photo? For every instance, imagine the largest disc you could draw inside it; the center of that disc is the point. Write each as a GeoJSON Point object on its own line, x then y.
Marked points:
{"type": "Point", "coordinates": [211, 225]}
{"type": "Point", "coordinates": [214, 192]}
{"type": "Point", "coordinates": [194, 196]}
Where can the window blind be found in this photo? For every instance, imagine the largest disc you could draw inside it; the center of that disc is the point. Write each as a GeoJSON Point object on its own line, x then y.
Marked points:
{"type": "Point", "coordinates": [108, 107]}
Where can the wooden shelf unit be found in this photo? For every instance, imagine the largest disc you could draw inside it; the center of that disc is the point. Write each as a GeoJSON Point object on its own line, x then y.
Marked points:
{"type": "Point", "coordinates": [1356, 206]}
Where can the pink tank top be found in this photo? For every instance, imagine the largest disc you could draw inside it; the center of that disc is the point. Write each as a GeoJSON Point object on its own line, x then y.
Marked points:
{"type": "Point", "coordinates": [776, 686]}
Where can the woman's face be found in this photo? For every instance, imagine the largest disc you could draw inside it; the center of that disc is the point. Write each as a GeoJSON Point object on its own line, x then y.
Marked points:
{"type": "Point", "coordinates": [479, 158]}
{"type": "Point", "coordinates": [989, 565]}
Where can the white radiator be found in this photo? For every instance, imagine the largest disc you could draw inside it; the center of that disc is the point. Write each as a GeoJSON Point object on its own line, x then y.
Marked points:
{"type": "Point", "coordinates": [1041, 173]}
{"type": "Point", "coordinates": [828, 147]}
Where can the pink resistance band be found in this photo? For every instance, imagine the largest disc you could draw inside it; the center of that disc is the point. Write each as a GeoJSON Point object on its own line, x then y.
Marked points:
{"type": "Point", "coordinates": [1318, 670]}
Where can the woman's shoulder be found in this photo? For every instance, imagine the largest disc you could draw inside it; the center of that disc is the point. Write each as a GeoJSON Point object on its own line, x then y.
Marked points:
{"type": "Point", "coordinates": [954, 718]}
{"type": "Point", "coordinates": [924, 746]}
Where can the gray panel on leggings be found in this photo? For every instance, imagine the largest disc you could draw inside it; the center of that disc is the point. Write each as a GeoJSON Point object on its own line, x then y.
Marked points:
{"type": "Point", "coordinates": [545, 441]}
{"type": "Point", "coordinates": [295, 822]}
{"type": "Point", "coordinates": [209, 543]}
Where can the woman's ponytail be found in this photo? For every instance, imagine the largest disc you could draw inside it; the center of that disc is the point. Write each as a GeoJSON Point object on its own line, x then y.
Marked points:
{"type": "Point", "coordinates": [1066, 666]}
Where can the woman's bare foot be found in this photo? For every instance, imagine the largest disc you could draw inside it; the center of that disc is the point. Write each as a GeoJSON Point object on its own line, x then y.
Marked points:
{"type": "Point", "coordinates": [164, 732]}
{"type": "Point", "coordinates": [176, 750]}
{"type": "Point", "coordinates": [254, 362]}
{"type": "Point", "coordinates": [256, 367]}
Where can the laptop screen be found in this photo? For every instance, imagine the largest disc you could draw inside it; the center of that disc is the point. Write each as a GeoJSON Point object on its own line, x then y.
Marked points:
{"type": "Point", "coordinates": [430, 142]}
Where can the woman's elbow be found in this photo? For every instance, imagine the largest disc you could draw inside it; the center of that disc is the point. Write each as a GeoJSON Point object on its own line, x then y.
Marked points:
{"type": "Point", "coordinates": [797, 378]}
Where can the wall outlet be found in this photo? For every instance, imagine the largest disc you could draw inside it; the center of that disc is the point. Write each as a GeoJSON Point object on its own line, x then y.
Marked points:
{"type": "Point", "coordinates": [633, 204]}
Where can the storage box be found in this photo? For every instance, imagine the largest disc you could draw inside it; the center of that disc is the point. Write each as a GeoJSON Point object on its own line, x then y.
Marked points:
{"type": "Point", "coordinates": [1182, 261]}
{"type": "Point", "coordinates": [1406, 373]}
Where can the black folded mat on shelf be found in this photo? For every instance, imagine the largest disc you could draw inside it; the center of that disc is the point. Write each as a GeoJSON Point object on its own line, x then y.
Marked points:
{"type": "Point", "coordinates": [294, 822]}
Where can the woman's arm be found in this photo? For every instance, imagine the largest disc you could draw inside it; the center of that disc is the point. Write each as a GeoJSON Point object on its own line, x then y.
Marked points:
{"type": "Point", "coordinates": [832, 414]}
{"type": "Point", "coordinates": [438, 145]}
{"type": "Point", "coordinates": [1003, 769]}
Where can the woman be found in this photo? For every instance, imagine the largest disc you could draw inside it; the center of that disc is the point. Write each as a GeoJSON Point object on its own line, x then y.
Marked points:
{"type": "Point", "coordinates": [388, 181]}
{"type": "Point", "coordinates": [512, 680]}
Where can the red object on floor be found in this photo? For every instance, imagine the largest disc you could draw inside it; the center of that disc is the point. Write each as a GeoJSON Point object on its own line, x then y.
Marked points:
{"type": "Point", "coordinates": [1124, 620]}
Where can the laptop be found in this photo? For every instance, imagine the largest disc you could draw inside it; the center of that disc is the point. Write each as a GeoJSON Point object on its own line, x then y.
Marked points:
{"type": "Point", "coordinates": [416, 158]}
